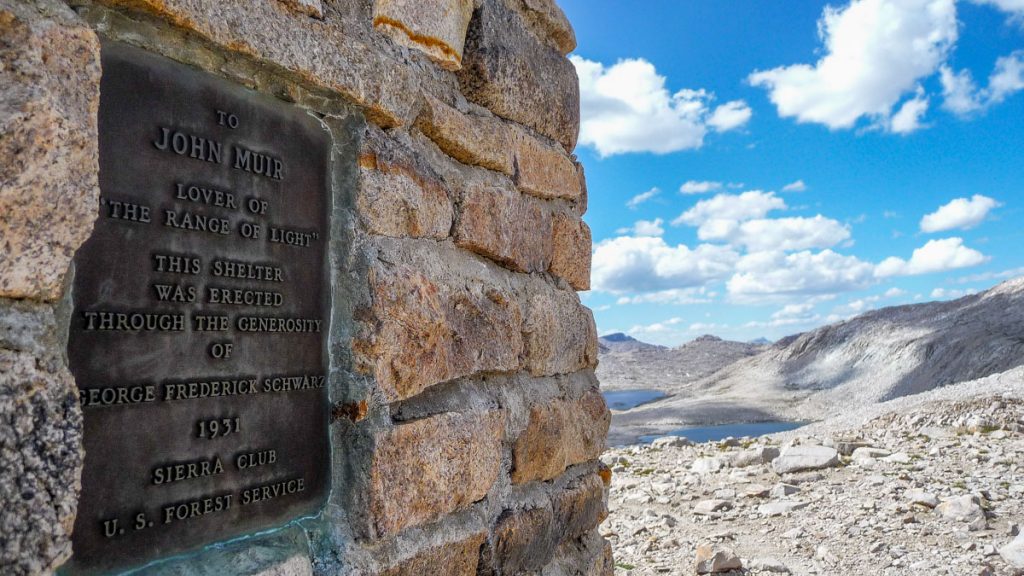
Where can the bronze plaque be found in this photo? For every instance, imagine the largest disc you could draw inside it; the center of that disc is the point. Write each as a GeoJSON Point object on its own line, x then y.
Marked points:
{"type": "Point", "coordinates": [198, 333]}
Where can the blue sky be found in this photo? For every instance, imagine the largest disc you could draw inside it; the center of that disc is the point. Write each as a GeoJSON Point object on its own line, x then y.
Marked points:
{"type": "Point", "coordinates": [759, 171]}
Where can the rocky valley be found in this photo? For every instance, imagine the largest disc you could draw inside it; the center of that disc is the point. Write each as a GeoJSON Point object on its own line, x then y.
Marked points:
{"type": "Point", "coordinates": [913, 462]}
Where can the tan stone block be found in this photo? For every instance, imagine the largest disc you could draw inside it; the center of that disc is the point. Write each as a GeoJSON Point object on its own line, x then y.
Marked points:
{"type": "Point", "coordinates": [571, 250]}
{"type": "Point", "coordinates": [560, 434]}
{"type": "Point", "coordinates": [560, 334]}
{"type": "Point", "coordinates": [470, 139]}
{"type": "Point", "coordinates": [500, 223]}
{"type": "Point", "coordinates": [49, 96]}
{"type": "Point", "coordinates": [420, 332]}
{"type": "Point", "coordinates": [423, 470]}
{"type": "Point", "coordinates": [400, 195]}
{"type": "Point", "coordinates": [544, 170]}
{"type": "Point", "coordinates": [459, 558]}
{"type": "Point", "coordinates": [509, 71]}
{"type": "Point", "coordinates": [314, 8]}
{"type": "Point", "coordinates": [580, 507]}
{"type": "Point", "coordinates": [548, 22]}
{"type": "Point", "coordinates": [522, 543]}
{"type": "Point", "coordinates": [437, 28]}
{"type": "Point", "coordinates": [332, 53]}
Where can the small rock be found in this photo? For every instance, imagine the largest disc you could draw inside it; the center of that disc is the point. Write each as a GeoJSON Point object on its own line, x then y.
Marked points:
{"type": "Point", "coordinates": [921, 497]}
{"type": "Point", "coordinates": [671, 441]}
{"type": "Point", "coordinates": [798, 458]}
{"type": "Point", "coordinates": [846, 447]}
{"type": "Point", "coordinates": [861, 455]}
{"type": "Point", "coordinates": [707, 507]}
{"type": "Point", "coordinates": [707, 465]}
{"type": "Point", "coordinates": [714, 559]}
{"type": "Point", "coordinates": [780, 508]}
{"type": "Point", "coordinates": [755, 491]}
{"type": "Point", "coordinates": [898, 458]}
{"type": "Point", "coordinates": [752, 456]}
{"type": "Point", "coordinates": [961, 508]}
{"type": "Point", "coordinates": [782, 489]}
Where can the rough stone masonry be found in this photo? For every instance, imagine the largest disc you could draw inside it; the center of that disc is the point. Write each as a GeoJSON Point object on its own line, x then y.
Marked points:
{"type": "Point", "coordinates": [466, 419]}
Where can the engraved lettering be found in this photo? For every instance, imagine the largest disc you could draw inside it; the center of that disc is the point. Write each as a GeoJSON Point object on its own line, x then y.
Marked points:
{"type": "Point", "coordinates": [210, 389]}
{"type": "Point", "coordinates": [256, 163]}
{"type": "Point", "coordinates": [287, 325]}
{"type": "Point", "coordinates": [198, 222]}
{"type": "Point", "coordinates": [246, 271]}
{"type": "Point", "coordinates": [252, 459]}
{"type": "Point", "coordinates": [185, 144]}
{"type": "Point", "coordinates": [291, 237]}
{"type": "Point", "coordinates": [203, 195]}
{"type": "Point", "coordinates": [126, 211]}
{"type": "Point", "coordinates": [175, 293]}
{"type": "Point", "coordinates": [218, 427]}
{"type": "Point", "coordinates": [116, 395]}
{"type": "Point", "coordinates": [240, 297]}
{"type": "Point", "coordinates": [288, 383]}
{"type": "Point", "coordinates": [271, 491]}
{"type": "Point", "coordinates": [134, 321]}
{"type": "Point", "coordinates": [205, 323]}
{"type": "Point", "coordinates": [175, 264]}
{"type": "Point", "coordinates": [227, 118]}
{"type": "Point", "coordinates": [196, 508]}
{"type": "Point", "coordinates": [170, 473]}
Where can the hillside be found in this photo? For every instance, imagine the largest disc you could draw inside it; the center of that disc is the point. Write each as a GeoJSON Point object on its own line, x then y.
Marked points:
{"type": "Point", "coordinates": [628, 363]}
{"type": "Point", "coordinates": [877, 356]}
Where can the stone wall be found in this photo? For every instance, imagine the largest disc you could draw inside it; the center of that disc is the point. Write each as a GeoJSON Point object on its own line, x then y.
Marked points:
{"type": "Point", "coordinates": [466, 418]}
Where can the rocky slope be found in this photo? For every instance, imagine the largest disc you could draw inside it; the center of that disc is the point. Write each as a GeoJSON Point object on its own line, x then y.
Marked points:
{"type": "Point", "coordinates": [877, 356]}
{"type": "Point", "coordinates": [924, 485]}
{"type": "Point", "coordinates": [625, 362]}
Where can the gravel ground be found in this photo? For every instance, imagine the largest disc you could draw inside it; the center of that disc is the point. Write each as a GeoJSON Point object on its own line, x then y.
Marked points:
{"type": "Point", "coordinates": [936, 487]}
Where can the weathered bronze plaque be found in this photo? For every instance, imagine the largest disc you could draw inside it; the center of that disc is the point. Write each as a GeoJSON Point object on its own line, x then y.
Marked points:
{"type": "Point", "coordinates": [197, 337]}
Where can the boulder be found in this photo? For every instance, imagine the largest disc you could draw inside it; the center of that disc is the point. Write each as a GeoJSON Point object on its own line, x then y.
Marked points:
{"type": "Point", "coordinates": [780, 507]}
{"type": "Point", "coordinates": [753, 456]}
{"type": "Point", "coordinates": [673, 441]}
{"type": "Point", "coordinates": [708, 507]}
{"type": "Point", "coordinates": [799, 458]}
{"type": "Point", "coordinates": [926, 499]}
{"type": "Point", "coordinates": [964, 508]}
{"type": "Point", "coordinates": [1013, 553]}
{"type": "Point", "coordinates": [713, 559]}
{"type": "Point", "coordinates": [707, 465]}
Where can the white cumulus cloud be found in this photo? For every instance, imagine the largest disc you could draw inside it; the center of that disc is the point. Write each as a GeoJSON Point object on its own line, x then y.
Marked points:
{"type": "Point", "coordinates": [731, 207]}
{"type": "Point", "coordinates": [963, 97]}
{"type": "Point", "coordinates": [786, 234]}
{"type": "Point", "coordinates": [766, 276]}
{"type": "Point", "coordinates": [642, 197]}
{"type": "Point", "coordinates": [699, 187]}
{"type": "Point", "coordinates": [935, 256]}
{"type": "Point", "coordinates": [629, 264]}
{"type": "Point", "coordinates": [875, 52]}
{"type": "Point", "coordinates": [959, 213]}
{"type": "Point", "coordinates": [797, 186]}
{"type": "Point", "coordinates": [948, 293]}
{"type": "Point", "coordinates": [730, 116]}
{"type": "Point", "coordinates": [694, 295]}
{"type": "Point", "coordinates": [626, 107]}
{"type": "Point", "coordinates": [908, 118]}
{"type": "Point", "coordinates": [644, 228]}
{"type": "Point", "coordinates": [1014, 7]}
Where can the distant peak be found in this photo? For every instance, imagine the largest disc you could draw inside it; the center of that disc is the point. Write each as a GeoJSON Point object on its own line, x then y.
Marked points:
{"type": "Point", "coordinates": [707, 338]}
{"type": "Point", "coordinates": [618, 337]}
